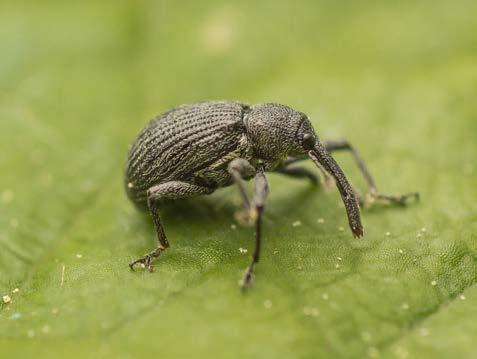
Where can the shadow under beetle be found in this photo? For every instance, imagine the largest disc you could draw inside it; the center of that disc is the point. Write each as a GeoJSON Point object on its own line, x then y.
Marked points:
{"type": "Point", "coordinates": [197, 148]}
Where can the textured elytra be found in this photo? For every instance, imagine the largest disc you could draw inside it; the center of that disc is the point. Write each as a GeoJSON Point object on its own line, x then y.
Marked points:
{"type": "Point", "coordinates": [182, 142]}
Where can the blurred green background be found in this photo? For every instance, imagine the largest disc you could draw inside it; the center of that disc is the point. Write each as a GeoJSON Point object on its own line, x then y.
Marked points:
{"type": "Point", "coordinates": [79, 79]}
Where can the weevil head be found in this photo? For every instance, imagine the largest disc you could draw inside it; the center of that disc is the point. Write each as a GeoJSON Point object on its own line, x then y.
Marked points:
{"type": "Point", "coordinates": [277, 131]}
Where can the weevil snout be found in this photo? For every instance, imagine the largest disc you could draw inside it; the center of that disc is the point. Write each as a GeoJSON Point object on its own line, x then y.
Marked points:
{"type": "Point", "coordinates": [318, 154]}
{"type": "Point", "coordinates": [311, 145]}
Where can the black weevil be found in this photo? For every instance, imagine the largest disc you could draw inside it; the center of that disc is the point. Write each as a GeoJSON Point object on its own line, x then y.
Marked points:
{"type": "Point", "coordinates": [197, 148]}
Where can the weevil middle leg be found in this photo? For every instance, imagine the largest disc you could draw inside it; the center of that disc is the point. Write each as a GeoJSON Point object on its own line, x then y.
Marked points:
{"type": "Point", "coordinates": [297, 172]}
{"type": "Point", "coordinates": [237, 169]}
{"type": "Point", "coordinates": [156, 194]}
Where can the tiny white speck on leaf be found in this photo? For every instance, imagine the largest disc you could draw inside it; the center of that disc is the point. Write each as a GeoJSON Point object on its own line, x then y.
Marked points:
{"type": "Point", "coordinates": [423, 332]}
{"type": "Point", "coordinates": [387, 234]}
{"type": "Point", "coordinates": [320, 220]}
{"type": "Point", "coordinates": [341, 229]}
{"type": "Point", "coordinates": [423, 229]}
{"type": "Point", "coordinates": [296, 224]}
{"type": "Point", "coordinates": [401, 352]}
{"type": "Point", "coordinates": [79, 256]}
{"type": "Point", "coordinates": [311, 311]}
{"type": "Point", "coordinates": [15, 316]}
{"type": "Point", "coordinates": [337, 266]}
{"type": "Point", "coordinates": [243, 250]}
{"type": "Point", "coordinates": [267, 304]}
{"type": "Point", "coordinates": [373, 352]}
{"type": "Point", "coordinates": [325, 296]}
{"type": "Point", "coordinates": [339, 258]}
{"type": "Point", "coordinates": [401, 251]}
{"type": "Point", "coordinates": [366, 336]}
{"type": "Point", "coordinates": [130, 185]}
{"type": "Point", "coordinates": [6, 299]}
{"type": "Point", "coordinates": [233, 226]}
{"type": "Point", "coordinates": [462, 297]}
{"type": "Point", "coordinates": [46, 179]}
{"type": "Point", "coordinates": [16, 290]}
{"type": "Point", "coordinates": [404, 306]}
{"type": "Point", "coordinates": [62, 281]}
{"type": "Point", "coordinates": [7, 196]}
{"type": "Point", "coordinates": [434, 283]}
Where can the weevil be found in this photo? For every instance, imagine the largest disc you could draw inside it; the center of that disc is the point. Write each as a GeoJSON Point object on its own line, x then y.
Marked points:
{"type": "Point", "coordinates": [197, 148]}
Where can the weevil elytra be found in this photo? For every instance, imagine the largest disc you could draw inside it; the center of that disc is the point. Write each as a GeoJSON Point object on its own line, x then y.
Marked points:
{"type": "Point", "coordinates": [197, 148]}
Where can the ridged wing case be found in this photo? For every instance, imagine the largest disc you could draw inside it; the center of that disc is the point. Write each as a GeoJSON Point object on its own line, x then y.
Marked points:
{"type": "Point", "coordinates": [181, 142]}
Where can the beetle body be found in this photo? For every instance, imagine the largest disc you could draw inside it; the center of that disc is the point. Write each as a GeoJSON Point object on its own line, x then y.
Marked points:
{"type": "Point", "coordinates": [197, 148]}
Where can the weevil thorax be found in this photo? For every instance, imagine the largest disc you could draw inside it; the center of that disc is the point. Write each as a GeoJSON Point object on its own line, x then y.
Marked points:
{"type": "Point", "coordinates": [276, 131]}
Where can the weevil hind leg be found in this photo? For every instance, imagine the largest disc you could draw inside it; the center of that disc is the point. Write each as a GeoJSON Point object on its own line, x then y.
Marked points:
{"type": "Point", "coordinates": [155, 195]}
{"type": "Point", "coordinates": [373, 194]}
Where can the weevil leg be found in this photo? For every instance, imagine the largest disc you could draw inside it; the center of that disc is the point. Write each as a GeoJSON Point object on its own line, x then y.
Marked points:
{"type": "Point", "coordinates": [287, 168]}
{"type": "Point", "coordinates": [291, 160]}
{"type": "Point", "coordinates": [373, 193]}
{"type": "Point", "coordinates": [156, 194]}
{"type": "Point", "coordinates": [239, 169]}
{"type": "Point", "coordinates": [259, 198]}
{"type": "Point", "coordinates": [298, 172]}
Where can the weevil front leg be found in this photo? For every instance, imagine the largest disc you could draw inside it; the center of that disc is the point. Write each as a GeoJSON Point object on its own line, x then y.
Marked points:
{"type": "Point", "coordinates": [236, 168]}
{"type": "Point", "coordinates": [156, 194]}
{"type": "Point", "coordinates": [373, 194]}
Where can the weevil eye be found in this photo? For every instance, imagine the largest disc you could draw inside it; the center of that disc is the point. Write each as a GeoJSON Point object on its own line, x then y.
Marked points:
{"type": "Point", "coordinates": [308, 141]}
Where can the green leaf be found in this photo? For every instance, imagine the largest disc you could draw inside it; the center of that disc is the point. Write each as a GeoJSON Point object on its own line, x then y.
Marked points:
{"type": "Point", "coordinates": [79, 80]}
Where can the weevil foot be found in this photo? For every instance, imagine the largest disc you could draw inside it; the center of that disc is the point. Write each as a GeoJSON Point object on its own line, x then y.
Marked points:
{"type": "Point", "coordinates": [400, 199]}
{"type": "Point", "coordinates": [146, 261]}
{"type": "Point", "coordinates": [247, 279]}
{"type": "Point", "coordinates": [246, 217]}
